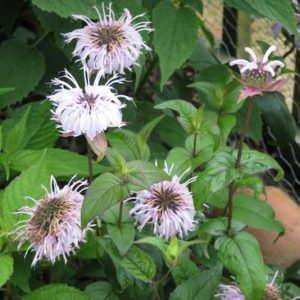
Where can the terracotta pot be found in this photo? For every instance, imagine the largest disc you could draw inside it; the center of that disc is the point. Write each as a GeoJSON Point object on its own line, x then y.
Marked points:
{"type": "Point", "coordinates": [286, 250]}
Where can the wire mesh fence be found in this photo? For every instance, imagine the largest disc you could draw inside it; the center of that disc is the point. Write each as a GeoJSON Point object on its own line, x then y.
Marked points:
{"type": "Point", "coordinates": [233, 31]}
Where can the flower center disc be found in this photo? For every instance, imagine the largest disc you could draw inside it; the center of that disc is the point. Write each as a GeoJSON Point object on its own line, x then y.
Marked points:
{"type": "Point", "coordinates": [47, 217]}
{"type": "Point", "coordinates": [111, 36]}
{"type": "Point", "coordinates": [257, 78]}
{"type": "Point", "coordinates": [89, 99]}
{"type": "Point", "coordinates": [165, 198]}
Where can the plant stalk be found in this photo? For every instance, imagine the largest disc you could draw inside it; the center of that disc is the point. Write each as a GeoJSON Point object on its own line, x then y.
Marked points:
{"type": "Point", "coordinates": [232, 188]}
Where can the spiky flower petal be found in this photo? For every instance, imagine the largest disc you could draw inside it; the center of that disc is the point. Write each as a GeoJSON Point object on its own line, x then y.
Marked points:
{"type": "Point", "coordinates": [258, 74]}
{"type": "Point", "coordinates": [168, 206]}
{"type": "Point", "coordinates": [89, 110]}
{"type": "Point", "coordinates": [54, 227]}
{"type": "Point", "coordinates": [110, 44]}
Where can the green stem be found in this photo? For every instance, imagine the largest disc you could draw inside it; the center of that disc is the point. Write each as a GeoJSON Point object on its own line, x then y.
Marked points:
{"type": "Point", "coordinates": [156, 292]}
{"type": "Point", "coordinates": [39, 40]}
{"type": "Point", "coordinates": [231, 187]}
{"type": "Point", "coordinates": [244, 132]}
{"type": "Point", "coordinates": [90, 162]}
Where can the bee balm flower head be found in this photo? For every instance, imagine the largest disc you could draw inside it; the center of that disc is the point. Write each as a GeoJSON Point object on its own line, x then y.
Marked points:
{"type": "Point", "coordinates": [89, 110]}
{"type": "Point", "coordinates": [54, 228]}
{"type": "Point", "coordinates": [258, 74]}
{"type": "Point", "coordinates": [168, 206]}
{"type": "Point", "coordinates": [110, 44]}
{"type": "Point", "coordinates": [230, 292]}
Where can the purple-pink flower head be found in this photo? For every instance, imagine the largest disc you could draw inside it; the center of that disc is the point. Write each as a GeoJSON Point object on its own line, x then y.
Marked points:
{"type": "Point", "coordinates": [87, 110]}
{"type": "Point", "coordinates": [230, 292]}
{"type": "Point", "coordinates": [53, 228]}
{"type": "Point", "coordinates": [257, 75]}
{"type": "Point", "coordinates": [109, 45]}
{"type": "Point", "coordinates": [168, 206]}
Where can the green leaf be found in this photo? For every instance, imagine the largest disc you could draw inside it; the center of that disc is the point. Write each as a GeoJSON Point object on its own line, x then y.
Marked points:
{"type": "Point", "coordinates": [60, 163]}
{"type": "Point", "coordinates": [201, 56]}
{"type": "Point", "coordinates": [66, 8]}
{"type": "Point", "coordinates": [6, 90]}
{"type": "Point", "coordinates": [122, 236]}
{"type": "Point", "coordinates": [242, 257]}
{"type": "Point", "coordinates": [255, 213]}
{"type": "Point", "coordinates": [104, 192]}
{"type": "Point", "coordinates": [226, 123]}
{"type": "Point", "coordinates": [14, 138]}
{"type": "Point", "coordinates": [30, 66]}
{"type": "Point", "coordinates": [277, 116]}
{"type": "Point", "coordinates": [184, 269]}
{"type": "Point", "coordinates": [144, 133]}
{"type": "Point", "coordinates": [6, 267]}
{"type": "Point", "coordinates": [27, 184]}
{"type": "Point", "coordinates": [101, 290]}
{"type": "Point", "coordinates": [116, 160]}
{"type": "Point", "coordinates": [41, 131]}
{"type": "Point", "coordinates": [125, 142]}
{"type": "Point", "coordinates": [136, 261]}
{"type": "Point", "coordinates": [278, 11]}
{"type": "Point", "coordinates": [218, 173]}
{"type": "Point", "coordinates": [175, 35]}
{"type": "Point", "coordinates": [157, 242]}
{"type": "Point", "coordinates": [200, 286]}
{"type": "Point", "coordinates": [181, 159]}
{"type": "Point", "coordinates": [254, 162]}
{"type": "Point", "coordinates": [213, 73]}
{"type": "Point", "coordinates": [56, 291]}
{"type": "Point", "coordinates": [142, 174]}
{"type": "Point", "coordinates": [186, 110]}
{"type": "Point", "coordinates": [22, 272]}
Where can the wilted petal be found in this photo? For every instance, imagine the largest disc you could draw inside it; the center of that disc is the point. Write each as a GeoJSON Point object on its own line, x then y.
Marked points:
{"type": "Point", "coordinates": [98, 145]}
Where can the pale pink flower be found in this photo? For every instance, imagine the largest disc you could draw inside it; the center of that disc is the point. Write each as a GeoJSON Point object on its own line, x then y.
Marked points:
{"type": "Point", "coordinates": [258, 74]}
{"type": "Point", "coordinates": [168, 206]}
{"type": "Point", "coordinates": [110, 44]}
{"type": "Point", "coordinates": [230, 292]}
{"type": "Point", "coordinates": [54, 227]}
{"type": "Point", "coordinates": [89, 110]}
